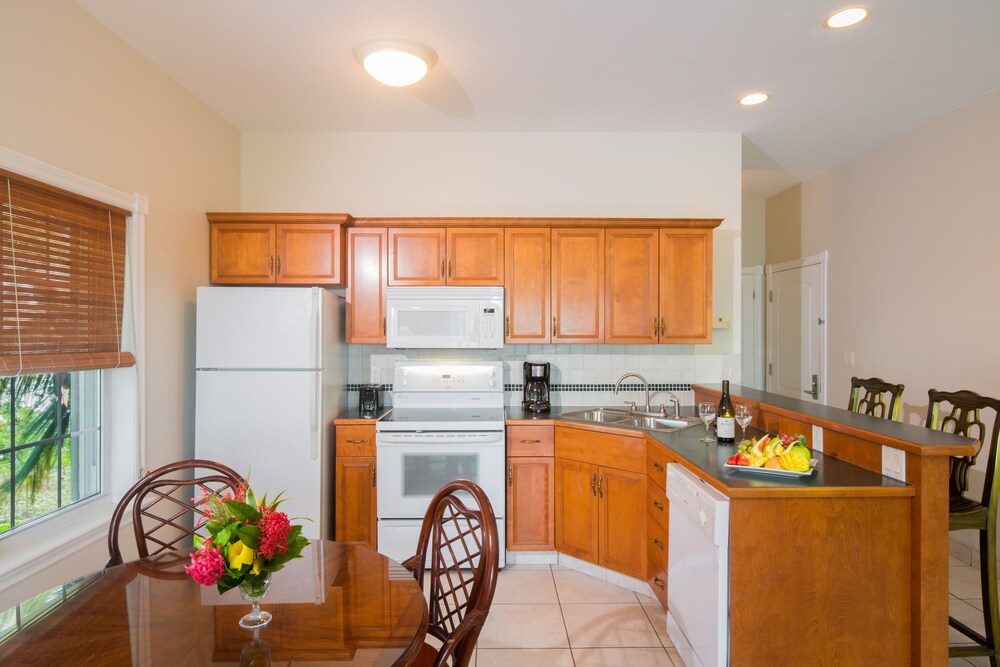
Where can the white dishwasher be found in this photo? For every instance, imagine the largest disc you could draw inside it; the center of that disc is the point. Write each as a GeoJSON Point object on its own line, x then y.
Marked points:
{"type": "Point", "coordinates": [697, 570]}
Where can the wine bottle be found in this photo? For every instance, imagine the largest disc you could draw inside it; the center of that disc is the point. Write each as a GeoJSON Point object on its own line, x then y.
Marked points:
{"type": "Point", "coordinates": [725, 419]}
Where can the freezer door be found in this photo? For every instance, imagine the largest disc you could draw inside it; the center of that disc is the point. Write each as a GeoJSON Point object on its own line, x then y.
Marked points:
{"type": "Point", "coordinates": [266, 423]}
{"type": "Point", "coordinates": [258, 327]}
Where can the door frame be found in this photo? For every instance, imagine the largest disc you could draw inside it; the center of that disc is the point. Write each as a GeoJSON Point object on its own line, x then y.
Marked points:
{"type": "Point", "coordinates": [822, 259]}
{"type": "Point", "coordinates": [756, 324]}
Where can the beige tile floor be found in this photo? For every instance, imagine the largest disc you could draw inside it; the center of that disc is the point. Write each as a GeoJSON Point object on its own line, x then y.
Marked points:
{"type": "Point", "coordinates": [554, 617]}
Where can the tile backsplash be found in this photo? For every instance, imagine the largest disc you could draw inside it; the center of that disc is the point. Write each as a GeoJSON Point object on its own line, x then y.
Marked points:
{"type": "Point", "coordinates": [581, 374]}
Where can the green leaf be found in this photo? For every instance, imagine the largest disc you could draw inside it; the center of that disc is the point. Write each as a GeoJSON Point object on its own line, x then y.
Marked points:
{"type": "Point", "coordinates": [198, 541]}
{"type": "Point", "coordinates": [242, 511]}
{"type": "Point", "coordinates": [250, 536]}
{"type": "Point", "coordinates": [251, 500]}
{"type": "Point", "coordinates": [226, 534]}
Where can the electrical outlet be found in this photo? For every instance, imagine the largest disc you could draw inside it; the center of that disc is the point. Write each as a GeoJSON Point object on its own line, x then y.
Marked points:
{"type": "Point", "coordinates": [849, 359]}
{"type": "Point", "coordinates": [375, 376]}
{"type": "Point", "coordinates": [720, 321]}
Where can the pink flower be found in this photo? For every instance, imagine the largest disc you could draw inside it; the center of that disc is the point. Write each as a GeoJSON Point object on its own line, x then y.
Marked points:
{"type": "Point", "coordinates": [274, 528]}
{"type": "Point", "coordinates": [207, 565]}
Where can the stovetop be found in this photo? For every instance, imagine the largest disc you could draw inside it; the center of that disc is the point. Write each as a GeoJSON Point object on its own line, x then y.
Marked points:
{"type": "Point", "coordinates": [442, 419]}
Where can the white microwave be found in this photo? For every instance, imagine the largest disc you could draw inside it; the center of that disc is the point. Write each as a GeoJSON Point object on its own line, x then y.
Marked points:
{"type": "Point", "coordinates": [444, 317]}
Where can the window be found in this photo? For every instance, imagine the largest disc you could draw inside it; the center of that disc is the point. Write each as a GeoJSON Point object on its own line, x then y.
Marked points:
{"type": "Point", "coordinates": [50, 443]}
{"type": "Point", "coordinates": [62, 296]}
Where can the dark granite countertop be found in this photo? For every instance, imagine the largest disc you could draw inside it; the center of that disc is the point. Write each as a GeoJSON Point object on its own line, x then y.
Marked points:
{"type": "Point", "coordinates": [354, 415]}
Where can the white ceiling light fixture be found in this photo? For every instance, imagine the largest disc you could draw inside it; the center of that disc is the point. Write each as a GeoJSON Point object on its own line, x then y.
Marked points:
{"type": "Point", "coordinates": [754, 99]}
{"type": "Point", "coordinates": [395, 61]}
{"type": "Point", "coordinates": [845, 18]}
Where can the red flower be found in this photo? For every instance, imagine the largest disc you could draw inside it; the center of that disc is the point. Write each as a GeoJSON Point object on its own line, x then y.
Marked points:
{"type": "Point", "coordinates": [207, 565]}
{"type": "Point", "coordinates": [274, 527]}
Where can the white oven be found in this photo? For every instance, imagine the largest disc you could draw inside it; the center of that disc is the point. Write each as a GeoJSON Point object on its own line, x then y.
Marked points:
{"type": "Point", "coordinates": [444, 317]}
{"type": "Point", "coordinates": [447, 423]}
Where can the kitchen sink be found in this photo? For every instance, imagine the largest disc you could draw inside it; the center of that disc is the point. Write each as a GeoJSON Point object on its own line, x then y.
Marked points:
{"type": "Point", "coordinates": [623, 418]}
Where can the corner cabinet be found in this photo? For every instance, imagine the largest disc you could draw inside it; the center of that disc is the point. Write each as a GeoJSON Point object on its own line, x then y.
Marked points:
{"type": "Point", "coordinates": [355, 481]}
{"type": "Point", "coordinates": [277, 248]}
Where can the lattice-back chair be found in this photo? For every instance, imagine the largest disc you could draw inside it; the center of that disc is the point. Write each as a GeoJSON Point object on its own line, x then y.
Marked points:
{"type": "Point", "coordinates": [969, 414]}
{"type": "Point", "coordinates": [164, 503]}
{"type": "Point", "coordinates": [868, 396]}
{"type": "Point", "coordinates": [460, 546]}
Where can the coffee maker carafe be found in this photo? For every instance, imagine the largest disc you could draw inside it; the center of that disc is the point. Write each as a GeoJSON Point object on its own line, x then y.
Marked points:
{"type": "Point", "coordinates": [536, 387]}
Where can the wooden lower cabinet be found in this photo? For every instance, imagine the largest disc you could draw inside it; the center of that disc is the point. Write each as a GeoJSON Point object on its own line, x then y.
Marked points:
{"type": "Point", "coordinates": [530, 509]}
{"type": "Point", "coordinates": [597, 515]}
{"type": "Point", "coordinates": [354, 481]}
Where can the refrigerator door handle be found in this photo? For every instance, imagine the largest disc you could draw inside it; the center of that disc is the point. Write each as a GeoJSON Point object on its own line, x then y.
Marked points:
{"type": "Point", "coordinates": [315, 339]}
{"type": "Point", "coordinates": [315, 395]}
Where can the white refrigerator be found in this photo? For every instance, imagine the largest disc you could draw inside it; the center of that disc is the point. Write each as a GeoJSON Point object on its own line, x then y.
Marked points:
{"type": "Point", "coordinates": [270, 369]}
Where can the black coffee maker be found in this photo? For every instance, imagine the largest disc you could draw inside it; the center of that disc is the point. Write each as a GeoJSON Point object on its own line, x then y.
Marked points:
{"type": "Point", "coordinates": [536, 387]}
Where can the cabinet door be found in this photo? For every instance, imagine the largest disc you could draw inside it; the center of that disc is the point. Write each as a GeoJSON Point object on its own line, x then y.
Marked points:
{"type": "Point", "coordinates": [355, 497]}
{"type": "Point", "coordinates": [578, 285]}
{"type": "Point", "coordinates": [475, 256]}
{"type": "Point", "coordinates": [576, 509]}
{"type": "Point", "coordinates": [242, 254]}
{"type": "Point", "coordinates": [631, 298]}
{"type": "Point", "coordinates": [622, 522]}
{"type": "Point", "coordinates": [310, 254]}
{"type": "Point", "coordinates": [366, 283]}
{"type": "Point", "coordinates": [526, 287]}
{"type": "Point", "coordinates": [530, 510]}
{"type": "Point", "coordinates": [417, 256]}
{"type": "Point", "coordinates": [686, 286]}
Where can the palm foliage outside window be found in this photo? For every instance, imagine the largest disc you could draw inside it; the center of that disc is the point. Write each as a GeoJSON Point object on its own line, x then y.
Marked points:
{"type": "Point", "coordinates": [50, 443]}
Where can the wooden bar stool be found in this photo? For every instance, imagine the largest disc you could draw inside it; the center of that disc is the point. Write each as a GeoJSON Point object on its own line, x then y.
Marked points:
{"type": "Point", "coordinates": [965, 416]}
{"type": "Point", "coordinates": [868, 397]}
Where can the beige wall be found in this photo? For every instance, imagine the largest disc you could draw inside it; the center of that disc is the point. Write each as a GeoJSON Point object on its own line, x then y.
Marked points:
{"type": "Point", "coordinates": [78, 98]}
{"type": "Point", "coordinates": [753, 232]}
{"type": "Point", "coordinates": [783, 235]}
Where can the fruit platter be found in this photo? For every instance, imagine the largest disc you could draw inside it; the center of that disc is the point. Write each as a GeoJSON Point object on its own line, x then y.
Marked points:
{"type": "Point", "coordinates": [782, 455]}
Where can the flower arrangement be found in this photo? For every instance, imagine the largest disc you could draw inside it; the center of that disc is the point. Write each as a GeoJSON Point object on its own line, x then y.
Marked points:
{"type": "Point", "coordinates": [249, 539]}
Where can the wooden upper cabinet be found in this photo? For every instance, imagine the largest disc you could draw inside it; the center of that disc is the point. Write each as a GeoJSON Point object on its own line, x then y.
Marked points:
{"type": "Point", "coordinates": [686, 285]}
{"type": "Point", "coordinates": [366, 283]}
{"type": "Point", "coordinates": [417, 256]}
{"type": "Point", "coordinates": [631, 298]}
{"type": "Point", "coordinates": [277, 248]}
{"type": "Point", "coordinates": [527, 280]}
{"type": "Point", "coordinates": [577, 285]}
{"type": "Point", "coordinates": [475, 256]}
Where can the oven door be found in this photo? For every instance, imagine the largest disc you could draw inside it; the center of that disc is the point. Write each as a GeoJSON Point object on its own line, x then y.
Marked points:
{"type": "Point", "coordinates": [412, 467]}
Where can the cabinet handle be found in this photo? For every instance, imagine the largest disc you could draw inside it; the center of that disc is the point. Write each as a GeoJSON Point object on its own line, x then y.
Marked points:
{"type": "Point", "coordinates": [277, 261]}
{"type": "Point", "coordinates": [658, 544]}
{"type": "Point", "coordinates": [507, 325]}
{"type": "Point", "coordinates": [657, 466]}
{"type": "Point", "coordinates": [383, 326]}
{"type": "Point", "coordinates": [656, 327]}
{"type": "Point", "coordinates": [658, 506]}
{"type": "Point", "coordinates": [531, 442]}
{"type": "Point", "coordinates": [449, 268]}
{"type": "Point", "coordinates": [510, 475]}
{"type": "Point", "coordinates": [600, 481]}
{"type": "Point", "coordinates": [442, 268]}
{"type": "Point", "coordinates": [357, 442]}
{"type": "Point", "coordinates": [553, 325]}
{"type": "Point", "coordinates": [373, 476]}
{"type": "Point", "coordinates": [593, 482]}
{"type": "Point", "coordinates": [663, 327]}
{"type": "Point", "coordinates": [270, 266]}
{"type": "Point", "coordinates": [659, 582]}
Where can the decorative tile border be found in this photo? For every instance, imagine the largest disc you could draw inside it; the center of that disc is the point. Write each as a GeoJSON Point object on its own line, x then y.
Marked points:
{"type": "Point", "coordinates": [604, 386]}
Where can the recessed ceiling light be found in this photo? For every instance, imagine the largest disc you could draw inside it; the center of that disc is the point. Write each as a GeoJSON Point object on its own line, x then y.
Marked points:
{"type": "Point", "coordinates": [845, 18]}
{"type": "Point", "coordinates": [753, 99]}
{"type": "Point", "coordinates": [395, 61]}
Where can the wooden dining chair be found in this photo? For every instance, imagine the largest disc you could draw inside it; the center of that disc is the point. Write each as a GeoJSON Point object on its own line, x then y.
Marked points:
{"type": "Point", "coordinates": [165, 511]}
{"type": "Point", "coordinates": [868, 396]}
{"type": "Point", "coordinates": [460, 546]}
{"type": "Point", "coordinates": [967, 413]}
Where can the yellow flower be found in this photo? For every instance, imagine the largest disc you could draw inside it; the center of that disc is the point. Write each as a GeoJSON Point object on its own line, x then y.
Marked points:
{"type": "Point", "coordinates": [256, 566]}
{"type": "Point", "coordinates": [239, 555]}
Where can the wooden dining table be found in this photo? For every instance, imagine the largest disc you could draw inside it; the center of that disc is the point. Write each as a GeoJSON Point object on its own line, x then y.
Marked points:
{"type": "Point", "coordinates": [341, 603]}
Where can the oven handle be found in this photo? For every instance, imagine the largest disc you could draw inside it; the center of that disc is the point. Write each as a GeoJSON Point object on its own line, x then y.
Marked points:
{"type": "Point", "coordinates": [437, 439]}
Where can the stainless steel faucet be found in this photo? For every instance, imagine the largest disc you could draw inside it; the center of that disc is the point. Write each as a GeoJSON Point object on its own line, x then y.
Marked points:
{"type": "Point", "coordinates": [644, 383]}
{"type": "Point", "coordinates": [676, 402]}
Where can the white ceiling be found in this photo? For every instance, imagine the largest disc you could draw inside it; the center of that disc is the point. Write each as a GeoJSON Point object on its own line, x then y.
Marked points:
{"type": "Point", "coordinates": [584, 66]}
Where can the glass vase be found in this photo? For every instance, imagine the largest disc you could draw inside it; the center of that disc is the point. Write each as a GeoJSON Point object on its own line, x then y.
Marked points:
{"type": "Point", "coordinates": [253, 590]}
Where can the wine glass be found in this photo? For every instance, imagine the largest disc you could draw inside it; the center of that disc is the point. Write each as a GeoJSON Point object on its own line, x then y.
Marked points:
{"type": "Point", "coordinates": [744, 414]}
{"type": "Point", "coordinates": [706, 411]}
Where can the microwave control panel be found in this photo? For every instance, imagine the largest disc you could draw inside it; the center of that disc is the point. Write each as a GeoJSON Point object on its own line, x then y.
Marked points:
{"type": "Point", "coordinates": [490, 327]}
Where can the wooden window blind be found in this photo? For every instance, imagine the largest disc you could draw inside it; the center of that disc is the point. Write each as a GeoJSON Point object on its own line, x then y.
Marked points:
{"type": "Point", "coordinates": [62, 267]}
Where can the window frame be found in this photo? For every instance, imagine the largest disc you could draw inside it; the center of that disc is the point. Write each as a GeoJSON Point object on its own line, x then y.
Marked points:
{"type": "Point", "coordinates": [34, 547]}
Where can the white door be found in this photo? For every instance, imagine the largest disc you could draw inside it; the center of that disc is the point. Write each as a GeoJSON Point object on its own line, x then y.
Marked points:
{"type": "Point", "coordinates": [752, 326]}
{"type": "Point", "coordinates": [265, 423]}
{"type": "Point", "coordinates": [258, 327]}
{"type": "Point", "coordinates": [796, 331]}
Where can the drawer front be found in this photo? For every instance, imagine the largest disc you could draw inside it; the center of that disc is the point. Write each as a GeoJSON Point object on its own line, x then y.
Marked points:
{"type": "Point", "coordinates": [657, 505]}
{"type": "Point", "coordinates": [355, 440]}
{"type": "Point", "coordinates": [657, 540]}
{"type": "Point", "coordinates": [530, 441]}
{"type": "Point", "coordinates": [656, 464]}
{"type": "Point", "coordinates": [657, 578]}
{"type": "Point", "coordinates": [603, 449]}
